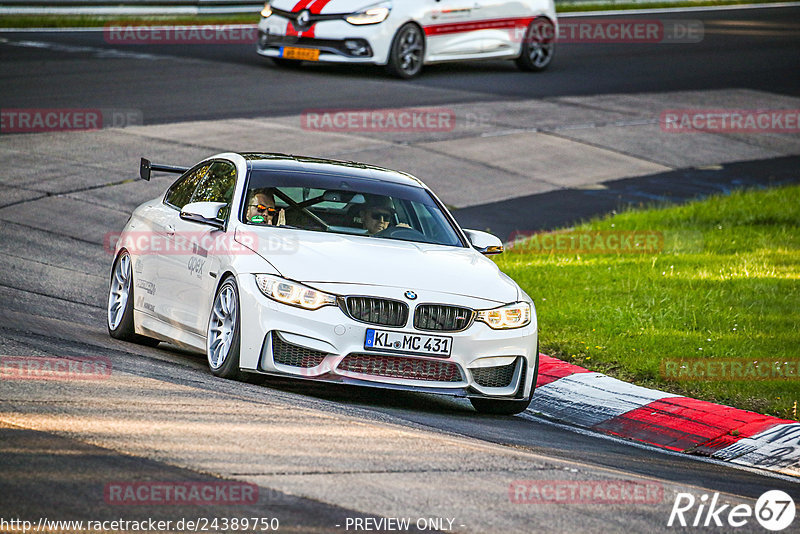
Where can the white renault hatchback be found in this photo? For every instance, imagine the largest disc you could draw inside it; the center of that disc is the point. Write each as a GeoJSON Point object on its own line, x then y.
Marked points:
{"type": "Point", "coordinates": [323, 270]}
{"type": "Point", "coordinates": [406, 34]}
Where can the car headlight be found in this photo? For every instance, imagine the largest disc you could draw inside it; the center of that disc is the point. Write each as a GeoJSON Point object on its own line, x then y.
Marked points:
{"type": "Point", "coordinates": [370, 15]}
{"type": "Point", "coordinates": [293, 293]}
{"type": "Point", "coordinates": [514, 315]}
{"type": "Point", "coordinates": [267, 11]}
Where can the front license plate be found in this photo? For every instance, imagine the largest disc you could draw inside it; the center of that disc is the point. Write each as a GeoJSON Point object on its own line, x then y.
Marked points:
{"type": "Point", "coordinates": [407, 343]}
{"type": "Point", "coordinates": [306, 54]}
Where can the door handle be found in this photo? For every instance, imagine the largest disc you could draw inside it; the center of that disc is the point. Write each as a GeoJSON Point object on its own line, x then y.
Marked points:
{"type": "Point", "coordinates": [170, 230]}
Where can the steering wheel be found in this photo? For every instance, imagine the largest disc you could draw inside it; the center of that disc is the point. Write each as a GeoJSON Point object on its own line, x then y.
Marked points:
{"type": "Point", "coordinates": [401, 232]}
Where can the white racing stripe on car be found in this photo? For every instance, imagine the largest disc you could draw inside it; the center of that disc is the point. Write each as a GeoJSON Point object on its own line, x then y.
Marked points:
{"type": "Point", "coordinates": [588, 399]}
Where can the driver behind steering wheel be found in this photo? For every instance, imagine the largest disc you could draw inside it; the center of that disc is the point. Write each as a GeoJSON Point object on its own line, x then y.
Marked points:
{"type": "Point", "coordinates": [377, 214]}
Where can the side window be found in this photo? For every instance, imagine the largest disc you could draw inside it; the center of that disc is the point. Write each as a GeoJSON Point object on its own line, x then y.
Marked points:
{"type": "Point", "coordinates": [180, 193]}
{"type": "Point", "coordinates": [217, 186]}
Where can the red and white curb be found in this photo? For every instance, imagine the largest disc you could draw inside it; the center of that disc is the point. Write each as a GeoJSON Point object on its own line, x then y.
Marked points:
{"type": "Point", "coordinates": [572, 394]}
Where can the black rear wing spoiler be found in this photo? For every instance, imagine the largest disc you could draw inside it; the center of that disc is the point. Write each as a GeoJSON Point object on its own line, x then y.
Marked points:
{"type": "Point", "coordinates": [145, 167]}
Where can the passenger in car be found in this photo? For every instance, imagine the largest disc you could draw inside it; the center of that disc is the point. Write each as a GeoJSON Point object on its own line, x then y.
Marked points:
{"type": "Point", "coordinates": [261, 207]}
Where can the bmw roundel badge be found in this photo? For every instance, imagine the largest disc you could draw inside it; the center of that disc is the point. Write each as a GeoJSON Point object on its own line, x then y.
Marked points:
{"type": "Point", "coordinates": [410, 295]}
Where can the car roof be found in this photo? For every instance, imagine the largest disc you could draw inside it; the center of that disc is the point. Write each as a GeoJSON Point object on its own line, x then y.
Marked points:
{"type": "Point", "coordinates": [286, 162]}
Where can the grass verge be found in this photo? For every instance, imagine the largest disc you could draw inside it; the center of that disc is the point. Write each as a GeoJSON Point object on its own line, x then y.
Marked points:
{"type": "Point", "coordinates": [722, 284]}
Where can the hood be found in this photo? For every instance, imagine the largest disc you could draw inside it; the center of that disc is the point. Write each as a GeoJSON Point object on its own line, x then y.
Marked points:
{"type": "Point", "coordinates": [334, 258]}
{"type": "Point", "coordinates": [324, 6]}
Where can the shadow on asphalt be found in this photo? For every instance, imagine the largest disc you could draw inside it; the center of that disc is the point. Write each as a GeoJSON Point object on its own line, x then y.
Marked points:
{"type": "Point", "coordinates": [346, 394]}
{"type": "Point", "coordinates": [567, 207]}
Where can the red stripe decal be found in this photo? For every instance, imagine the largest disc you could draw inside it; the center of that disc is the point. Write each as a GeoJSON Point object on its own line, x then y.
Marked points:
{"type": "Point", "coordinates": [290, 29]}
{"type": "Point", "coordinates": [682, 423]}
{"type": "Point", "coordinates": [551, 369]}
{"type": "Point", "coordinates": [492, 24]}
{"type": "Point", "coordinates": [313, 6]}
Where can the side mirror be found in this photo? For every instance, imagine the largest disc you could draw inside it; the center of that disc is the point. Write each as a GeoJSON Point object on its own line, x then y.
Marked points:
{"type": "Point", "coordinates": [204, 213]}
{"type": "Point", "coordinates": [484, 242]}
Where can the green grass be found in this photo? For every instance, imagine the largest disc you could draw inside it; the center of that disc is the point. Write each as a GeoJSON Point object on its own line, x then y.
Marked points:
{"type": "Point", "coordinates": [725, 285]}
{"type": "Point", "coordinates": [88, 21]}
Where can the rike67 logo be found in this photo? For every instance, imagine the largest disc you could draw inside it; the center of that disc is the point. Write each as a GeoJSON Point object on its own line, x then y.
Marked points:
{"type": "Point", "coordinates": [774, 510]}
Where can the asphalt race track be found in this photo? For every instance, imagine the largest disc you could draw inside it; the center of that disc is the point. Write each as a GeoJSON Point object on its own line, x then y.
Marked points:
{"type": "Point", "coordinates": [321, 456]}
{"type": "Point", "coordinates": [755, 49]}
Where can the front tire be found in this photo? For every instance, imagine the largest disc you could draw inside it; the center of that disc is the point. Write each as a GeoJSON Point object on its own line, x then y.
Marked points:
{"type": "Point", "coordinates": [119, 312]}
{"type": "Point", "coordinates": [538, 46]}
{"type": "Point", "coordinates": [407, 52]}
{"type": "Point", "coordinates": [224, 332]}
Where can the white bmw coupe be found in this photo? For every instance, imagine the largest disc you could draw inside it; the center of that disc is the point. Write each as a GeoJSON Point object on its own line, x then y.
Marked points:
{"type": "Point", "coordinates": [324, 270]}
{"type": "Point", "coordinates": [406, 34]}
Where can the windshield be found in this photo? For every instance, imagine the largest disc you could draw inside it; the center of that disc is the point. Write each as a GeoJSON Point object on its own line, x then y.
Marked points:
{"type": "Point", "coordinates": [345, 205]}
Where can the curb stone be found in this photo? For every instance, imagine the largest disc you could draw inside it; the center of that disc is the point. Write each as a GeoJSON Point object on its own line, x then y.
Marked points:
{"type": "Point", "coordinates": [572, 394]}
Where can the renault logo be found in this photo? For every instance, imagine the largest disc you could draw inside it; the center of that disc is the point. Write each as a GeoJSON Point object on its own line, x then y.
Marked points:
{"type": "Point", "coordinates": [410, 295]}
{"type": "Point", "coordinates": [303, 18]}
